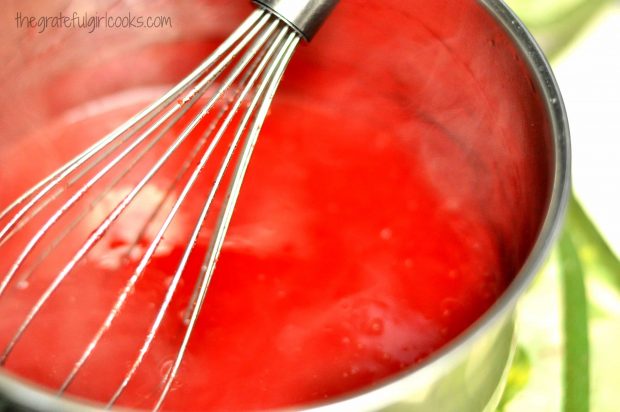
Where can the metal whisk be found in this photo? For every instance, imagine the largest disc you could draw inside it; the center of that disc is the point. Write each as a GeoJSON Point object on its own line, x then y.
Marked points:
{"type": "Point", "coordinates": [239, 80]}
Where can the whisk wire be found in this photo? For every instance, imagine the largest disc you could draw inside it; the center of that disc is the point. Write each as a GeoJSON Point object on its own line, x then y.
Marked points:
{"type": "Point", "coordinates": [143, 136]}
{"type": "Point", "coordinates": [113, 216]}
{"type": "Point", "coordinates": [266, 91]}
{"type": "Point", "coordinates": [240, 78]}
{"type": "Point", "coordinates": [168, 220]}
{"type": "Point", "coordinates": [201, 219]}
{"type": "Point", "coordinates": [38, 191]}
{"type": "Point", "coordinates": [102, 195]}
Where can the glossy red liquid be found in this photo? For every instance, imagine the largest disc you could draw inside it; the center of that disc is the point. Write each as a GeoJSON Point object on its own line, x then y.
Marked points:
{"type": "Point", "coordinates": [388, 204]}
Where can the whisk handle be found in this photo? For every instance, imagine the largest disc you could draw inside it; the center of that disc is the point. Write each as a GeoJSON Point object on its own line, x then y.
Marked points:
{"type": "Point", "coordinates": [305, 16]}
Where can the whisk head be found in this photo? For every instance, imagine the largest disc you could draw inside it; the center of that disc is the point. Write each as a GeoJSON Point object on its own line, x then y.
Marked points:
{"type": "Point", "coordinates": [120, 201]}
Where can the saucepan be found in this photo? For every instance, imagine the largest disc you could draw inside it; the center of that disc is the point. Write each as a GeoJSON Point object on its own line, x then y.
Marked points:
{"type": "Point", "coordinates": [470, 68]}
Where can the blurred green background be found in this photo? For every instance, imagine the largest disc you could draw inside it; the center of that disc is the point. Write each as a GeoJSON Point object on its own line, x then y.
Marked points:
{"type": "Point", "coordinates": [569, 322]}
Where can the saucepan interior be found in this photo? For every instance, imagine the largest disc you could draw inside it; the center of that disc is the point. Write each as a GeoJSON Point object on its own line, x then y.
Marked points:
{"type": "Point", "coordinates": [487, 114]}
